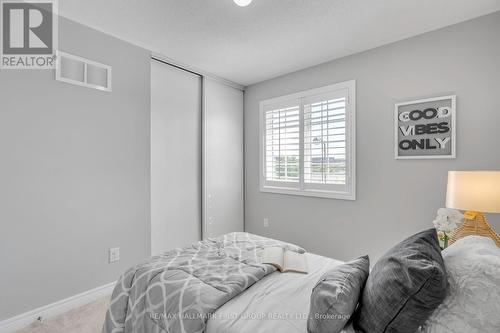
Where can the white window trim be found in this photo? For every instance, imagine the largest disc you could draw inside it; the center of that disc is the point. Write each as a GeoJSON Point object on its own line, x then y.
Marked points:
{"type": "Point", "coordinates": [278, 187]}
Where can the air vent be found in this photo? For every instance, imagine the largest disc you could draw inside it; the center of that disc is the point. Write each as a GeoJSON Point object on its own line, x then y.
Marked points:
{"type": "Point", "coordinates": [83, 72]}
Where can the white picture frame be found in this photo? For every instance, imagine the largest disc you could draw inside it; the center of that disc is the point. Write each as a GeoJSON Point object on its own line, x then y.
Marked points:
{"type": "Point", "coordinates": [412, 147]}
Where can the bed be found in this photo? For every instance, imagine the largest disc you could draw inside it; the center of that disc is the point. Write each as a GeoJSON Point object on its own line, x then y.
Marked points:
{"type": "Point", "coordinates": [219, 286]}
{"type": "Point", "coordinates": [279, 303]}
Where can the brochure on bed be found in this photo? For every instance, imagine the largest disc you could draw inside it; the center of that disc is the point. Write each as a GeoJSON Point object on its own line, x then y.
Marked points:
{"type": "Point", "coordinates": [179, 290]}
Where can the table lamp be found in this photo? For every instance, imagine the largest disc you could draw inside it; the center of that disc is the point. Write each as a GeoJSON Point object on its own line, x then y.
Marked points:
{"type": "Point", "coordinates": [476, 193]}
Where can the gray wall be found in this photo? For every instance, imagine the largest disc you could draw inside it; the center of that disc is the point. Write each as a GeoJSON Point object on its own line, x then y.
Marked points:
{"type": "Point", "coordinates": [74, 174]}
{"type": "Point", "coordinates": [395, 198]}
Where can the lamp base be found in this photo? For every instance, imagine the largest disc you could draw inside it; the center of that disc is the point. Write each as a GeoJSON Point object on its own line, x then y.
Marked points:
{"type": "Point", "coordinates": [475, 223]}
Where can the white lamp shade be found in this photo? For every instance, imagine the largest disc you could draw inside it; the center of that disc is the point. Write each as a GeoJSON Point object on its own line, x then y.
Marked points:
{"type": "Point", "coordinates": [476, 191]}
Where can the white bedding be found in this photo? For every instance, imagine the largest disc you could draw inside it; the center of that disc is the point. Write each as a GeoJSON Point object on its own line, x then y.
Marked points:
{"type": "Point", "coordinates": [279, 303]}
{"type": "Point", "coordinates": [472, 302]}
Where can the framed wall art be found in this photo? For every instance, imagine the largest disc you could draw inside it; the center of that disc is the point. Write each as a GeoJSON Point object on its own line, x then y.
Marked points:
{"type": "Point", "coordinates": [426, 128]}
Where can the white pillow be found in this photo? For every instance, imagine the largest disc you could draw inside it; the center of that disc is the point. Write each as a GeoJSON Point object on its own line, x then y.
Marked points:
{"type": "Point", "coordinates": [472, 304]}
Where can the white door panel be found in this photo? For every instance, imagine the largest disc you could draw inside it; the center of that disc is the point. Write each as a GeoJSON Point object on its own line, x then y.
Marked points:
{"type": "Point", "coordinates": [175, 157]}
{"type": "Point", "coordinates": [223, 159]}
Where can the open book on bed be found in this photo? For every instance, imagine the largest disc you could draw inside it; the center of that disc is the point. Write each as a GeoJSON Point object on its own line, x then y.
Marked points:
{"type": "Point", "coordinates": [284, 260]}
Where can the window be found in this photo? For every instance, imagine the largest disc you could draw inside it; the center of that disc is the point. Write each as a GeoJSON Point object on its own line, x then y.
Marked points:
{"type": "Point", "coordinates": [308, 143]}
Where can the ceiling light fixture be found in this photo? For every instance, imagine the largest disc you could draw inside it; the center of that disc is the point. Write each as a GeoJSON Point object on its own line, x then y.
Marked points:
{"type": "Point", "coordinates": [242, 3]}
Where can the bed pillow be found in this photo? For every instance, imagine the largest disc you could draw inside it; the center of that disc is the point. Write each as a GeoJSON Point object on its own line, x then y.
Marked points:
{"type": "Point", "coordinates": [335, 296]}
{"type": "Point", "coordinates": [404, 287]}
{"type": "Point", "coordinates": [472, 302]}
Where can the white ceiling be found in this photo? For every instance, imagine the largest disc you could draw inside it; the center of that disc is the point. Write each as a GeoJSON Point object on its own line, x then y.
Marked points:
{"type": "Point", "coordinates": [269, 37]}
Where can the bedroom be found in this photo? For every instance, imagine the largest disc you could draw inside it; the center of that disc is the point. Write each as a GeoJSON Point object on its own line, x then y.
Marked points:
{"type": "Point", "coordinates": [99, 171]}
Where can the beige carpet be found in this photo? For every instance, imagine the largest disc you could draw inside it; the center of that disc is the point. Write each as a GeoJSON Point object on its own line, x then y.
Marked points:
{"type": "Point", "coordinates": [86, 319]}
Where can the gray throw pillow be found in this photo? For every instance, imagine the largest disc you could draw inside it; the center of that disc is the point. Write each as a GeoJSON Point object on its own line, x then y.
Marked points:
{"type": "Point", "coordinates": [335, 296]}
{"type": "Point", "coordinates": [404, 287]}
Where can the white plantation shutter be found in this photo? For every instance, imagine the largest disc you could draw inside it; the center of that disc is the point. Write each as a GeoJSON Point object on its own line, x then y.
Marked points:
{"type": "Point", "coordinates": [325, 139]}
{"type": "Point", "coordinates": [308, 143]}
{"type": "Point", "coordinates": [282, 141]}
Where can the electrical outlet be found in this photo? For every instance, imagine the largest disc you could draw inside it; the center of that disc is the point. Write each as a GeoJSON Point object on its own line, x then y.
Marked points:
{"type": "Point", "coordinates": [266, 222]}
{"type": "Point", "coordinates": [114, 254]}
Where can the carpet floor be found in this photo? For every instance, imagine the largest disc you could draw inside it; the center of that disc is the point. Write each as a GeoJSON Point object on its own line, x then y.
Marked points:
{"type": "Point", "coordinates": [85, 319]}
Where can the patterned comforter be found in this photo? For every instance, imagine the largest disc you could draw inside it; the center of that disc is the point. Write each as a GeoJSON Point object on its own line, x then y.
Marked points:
{"type": "Point", "coordinates": [178, 291]}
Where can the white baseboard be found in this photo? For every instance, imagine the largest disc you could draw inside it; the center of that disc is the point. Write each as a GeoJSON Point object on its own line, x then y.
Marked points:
{"type": "Point", "coordinates": [20, 321]}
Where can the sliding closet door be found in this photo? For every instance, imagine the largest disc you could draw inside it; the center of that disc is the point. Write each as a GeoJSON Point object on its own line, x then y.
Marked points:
{"type": "Point", "coordinates": [223, 159]}
{"type": "Point", "coordinates": [175, 157]}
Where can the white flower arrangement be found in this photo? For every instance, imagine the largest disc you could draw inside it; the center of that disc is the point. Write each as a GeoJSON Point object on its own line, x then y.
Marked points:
{"type": "Point", "coordinates": [445, 222]}
{"type": "Point", "coordinates": [448, 220]}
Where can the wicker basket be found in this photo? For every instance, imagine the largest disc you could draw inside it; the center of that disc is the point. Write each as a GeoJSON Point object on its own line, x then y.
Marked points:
{"type": "Point", "coordinates": [477, 226]}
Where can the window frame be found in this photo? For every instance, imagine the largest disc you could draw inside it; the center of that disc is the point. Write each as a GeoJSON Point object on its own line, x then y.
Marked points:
{"type": "Point", "coordinates": [311, 190]}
